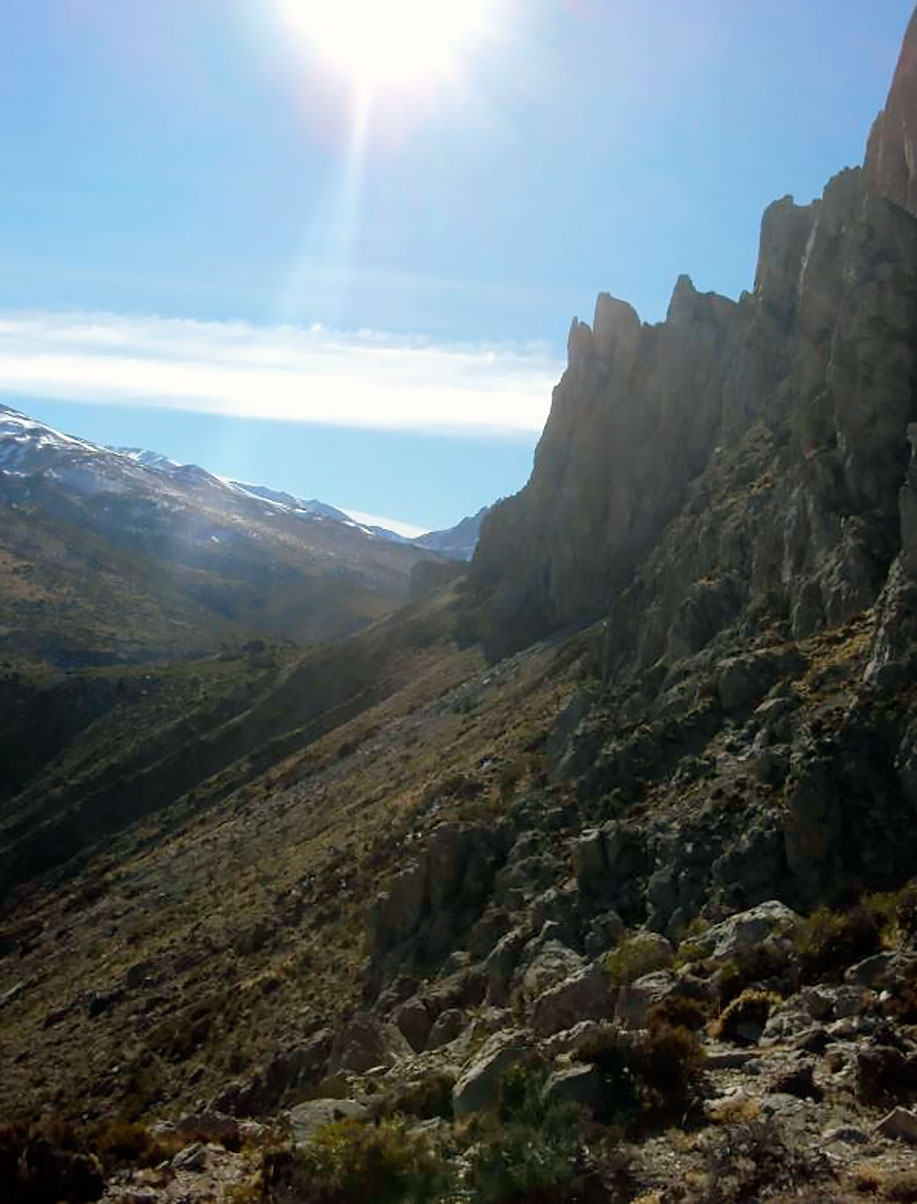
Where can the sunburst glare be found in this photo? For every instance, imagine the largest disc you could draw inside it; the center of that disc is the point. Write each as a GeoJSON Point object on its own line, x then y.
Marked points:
{"type": "Point", "coordinates": [390, 43]}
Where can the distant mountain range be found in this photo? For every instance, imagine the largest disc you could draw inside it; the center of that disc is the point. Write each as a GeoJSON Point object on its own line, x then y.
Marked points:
{"type": "Point", "coordinates": [121, 553]}
{"type": "Point", "coordinates": [454, 543]}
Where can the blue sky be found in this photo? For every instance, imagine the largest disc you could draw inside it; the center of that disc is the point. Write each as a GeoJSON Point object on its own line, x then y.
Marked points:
{"type": "Point", "coordinates": [194, 256]}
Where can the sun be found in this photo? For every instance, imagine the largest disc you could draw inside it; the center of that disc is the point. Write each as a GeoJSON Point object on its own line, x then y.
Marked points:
{"type": "Point", "coordinates": [390, 43]}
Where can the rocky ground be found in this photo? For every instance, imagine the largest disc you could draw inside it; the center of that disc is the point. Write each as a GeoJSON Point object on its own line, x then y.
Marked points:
{"type": "Point", "coordinates": [551, 879]}
{"type": "Point", "coordinates": [796, 1089]}
{"type": "Point", "coordinates": [445, 913]}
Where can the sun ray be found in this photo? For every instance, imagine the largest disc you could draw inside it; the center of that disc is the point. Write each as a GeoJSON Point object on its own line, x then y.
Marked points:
{"type": "Point", "coordinates": [390, 43]}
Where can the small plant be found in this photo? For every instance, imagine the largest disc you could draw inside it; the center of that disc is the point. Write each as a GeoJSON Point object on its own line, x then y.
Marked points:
{"type": "Point", "coordinates": [744, 1019]}
{"type": "Point", "coordinates": [895, 913]}
{"type": "Point", "coordinates": [635, 956]}
{"type": "Point", "coordinates": [47, 1163]}
{"type": "Point", "coordinates": [691, 946]}
{"type": "Point", "coordinates": [531, 1150]}
{"type": "Point", "coordinates": [736, 1110]}
{"type": "Point", "coordinates": [131, 1142]}
{"type": "Point", "coordinates": [679, 1011]}
{"type": "Point", "coordinates": [652, 1077]}
{"type": "Point", "coordinates": [903, 1004]}
{"type": "Point", "coordinates": [349, 1162]}
{"type": "Point", "coordinates": [745, 1161]}
{"type": "Point", "coordinates": [429, 1097]}
{"type": "Point", "coordinates": [667, 1064]}
{"type": "Point", "coordinates": [827, 942]}
{"type": "Point", "coordinates": [510, 776]}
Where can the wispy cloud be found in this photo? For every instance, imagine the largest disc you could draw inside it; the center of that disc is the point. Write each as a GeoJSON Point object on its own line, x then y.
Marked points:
{"type": "Point", "coordinates": [314, 375]}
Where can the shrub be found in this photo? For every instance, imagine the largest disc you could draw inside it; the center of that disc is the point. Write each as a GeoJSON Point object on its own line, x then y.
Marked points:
{"type": "Point", "coordinates": [125, 1141]}
{"type": "Point", "coordinates": [901, 1186]}
{"type": "Point", "coordinates": [747, 1013]}
{"type": "Point", "coordinates": [750, 968]}
{"type": "Point", "coordinates": [46, 1163]}
{"type": "Point", "coordinates": [906, 909]}
{"type": "Point", "coordinates": [667, 1064]}
{"type": "Point", "coordinates": [652, 1077]}
{"type": "Point", "coordinates": [510, 776]}
{"type": "Point", "coordinates": [429, 1097]}
{"type": "Point", "coordinates": [679, 1011]}
{"type": "Point", "coordinates": [531, 1150]}
{"type": "Point", "coordinates": [827, 942]}
{"type": "Point", "coordinates": [634, 957]}
{"type": "Point", "coordinates": [349, 1162]}
{"type": "Point", "coordinates": [748, 1162]}
{"type": "Point", "coordinates": [895, 912]}
{"type": "Point", "coordinates": [903, 1004]}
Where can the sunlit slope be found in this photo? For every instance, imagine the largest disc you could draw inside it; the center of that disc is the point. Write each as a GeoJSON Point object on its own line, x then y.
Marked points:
{"type": "Point", "coordinates": [106, 559]}
{"type": "Point", "coordinates": [92, 753]}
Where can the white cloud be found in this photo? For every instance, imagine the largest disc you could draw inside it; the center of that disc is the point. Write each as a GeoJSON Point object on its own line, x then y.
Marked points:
{"type": "Point", "coordinates": [315, 375]}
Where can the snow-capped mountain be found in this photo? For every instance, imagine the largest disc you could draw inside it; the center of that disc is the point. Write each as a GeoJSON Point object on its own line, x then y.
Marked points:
{"type": "Point", "coordinates": [458, 542]}
{"type": "Point", "coordinates": [174, 540]}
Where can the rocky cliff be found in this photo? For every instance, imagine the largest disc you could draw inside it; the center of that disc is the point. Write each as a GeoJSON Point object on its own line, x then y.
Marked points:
{"type": "Point", "coordinates": [617, 891]}
{"type": "Point", "coordinates": [740, 461]}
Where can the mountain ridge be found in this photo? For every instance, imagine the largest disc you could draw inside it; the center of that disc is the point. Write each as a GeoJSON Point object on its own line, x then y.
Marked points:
{"type": "Point", "coordinates": [217, 560]}
{"type": "Point", "coordinates": [625, 820]}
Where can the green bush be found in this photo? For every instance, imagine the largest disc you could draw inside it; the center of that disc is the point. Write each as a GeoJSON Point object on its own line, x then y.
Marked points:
{"type": "Point", "coordinates": [679, 1011]}
{"type": "Point", "coordinates": [895, 912]}
{"type": "Point", "coordinates": [530, 1150]}
{"type": "Point", "coordinates": [827, 942]}
{"type": "Point", "coordinates": [131, 1142]}
{"type": "Point", "coordinates": [633, 957]}
{"type": "Point", "coordinates": [349, 1162]}
{"type": "Point", "coordinates": [427, 1098]}
{"type": "Point", "coordinates": [652, 1078]}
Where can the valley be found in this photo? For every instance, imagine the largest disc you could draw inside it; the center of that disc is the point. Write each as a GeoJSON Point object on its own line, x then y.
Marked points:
{"type": "Point", "coordinates": [332, 870]}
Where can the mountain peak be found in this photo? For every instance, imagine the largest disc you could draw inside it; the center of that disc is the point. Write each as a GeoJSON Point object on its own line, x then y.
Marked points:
{"type": "Point", "coordinates": [891, 156]}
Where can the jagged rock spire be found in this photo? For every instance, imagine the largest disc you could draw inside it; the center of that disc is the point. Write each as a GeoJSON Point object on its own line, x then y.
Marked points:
{"type": "Point", "coordinates": [891, 156]}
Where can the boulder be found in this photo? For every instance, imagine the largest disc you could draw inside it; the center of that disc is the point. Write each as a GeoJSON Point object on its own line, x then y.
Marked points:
{"type": "Point", "coordinates": [746, 930]}
{"type": "Point", "coordinates": [900, 1125]}
{"type": "Point", "coordinates": [743, 681]}
{"type": "Point", "coordinates": [209, 1126]}
{"type": "Point", "coordinates": [549, 963]}
{"type": "Point", "coordinates": [786, 1023]}
{"type": "Point", "coordinates": [192, 1158]}
{"type": "Point", "coordinates": [397, 911]}
{"type": "Point", "coordinates": [847, 1134]}
{"type": "Point", "coordinates": [414, 1021]}
{"type": "Point", "coordinates": [478, 1086]}
{"type": "Point", "coordinates": [306, 1119]}
{"type": "Point", "coordinates": [364, 1043]}
{"type": "Point", "coordinates": [589, 861]}
{"type": "Point", "coordinates": [603, 933]}
{"type": "Point", "coordinates": [585, 995]}
{"type": "Point", "coordinates": [800, 1081]}
{"type": "Point", "coordinates": [876, 972]}
{"type": "Point", "coordinates": [581, 1085]}
{"type": "Point", "coordinates": [852, 1001]}
{"type": "Point", "coordinates": [884, 1074]}
{"type": "Point", "coordinates": [571, 1041]}
{"type": "Point", "coordinates": [287, 1069]}
{"type": "Point", "coordinates": [501, 965]}
{"type": "Point", "coordinates": [449, 1025]}
{"type": "Point", "coordinates": [635, 1000]}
